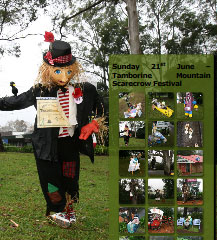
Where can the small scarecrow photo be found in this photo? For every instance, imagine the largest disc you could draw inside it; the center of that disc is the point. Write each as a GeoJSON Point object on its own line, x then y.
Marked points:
{"type": "Point", "coordinates": [161, 105]}
{"type": "Point", "coordinates": [189, 220]}
{"type": "Point", "coordinates": [160, 133]}
{"type": "Point", "coordinates": [190, 191]}
{"type": "Point", "coordinates": [190, 105]}
{"type": "Point", "coordinates": [69, 111]}
{"type": "Point", "coordinates": [190, 162]}
{"type": "Point", "coordinates": [190, 134]}
{"type": "Point", "coordinates": [161, 220]}
{"type": "Point", "coordinates": [160, 191]}
{"type": "Point", "coordinates": [131, 163]}
{"type": "Point", "coordinates": [131, 105]}
{"type": "Point", "coordinates": [132, 133]}
{"type": "Point", "coordinates": [160, 162]}
{"type": "Point", "coordinates": [131, 220]}
{"type": "Point", "coordinates": [132, 191]}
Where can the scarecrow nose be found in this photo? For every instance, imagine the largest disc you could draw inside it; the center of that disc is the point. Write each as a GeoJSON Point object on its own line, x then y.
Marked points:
{"type": "Point", "coordinates": [64, 77]}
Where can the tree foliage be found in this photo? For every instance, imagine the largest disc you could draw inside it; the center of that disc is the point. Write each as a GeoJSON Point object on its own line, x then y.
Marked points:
{"type": "Point", "coordinates": [17, 126]}
{"type": "Point", "coordinates": [15, 17]}
{"type": "Point", "coordinates": [174, 28]}
{"type": "Point", "coordinates": [134, 186]}
{"type": "Point", "coordinates": [168, 188]}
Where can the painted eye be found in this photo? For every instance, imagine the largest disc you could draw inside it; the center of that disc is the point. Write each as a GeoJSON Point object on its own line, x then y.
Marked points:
{"type": "Point", "coordinates": [57, 71]}
{"type": "Point", "coordinates": [69, 72]}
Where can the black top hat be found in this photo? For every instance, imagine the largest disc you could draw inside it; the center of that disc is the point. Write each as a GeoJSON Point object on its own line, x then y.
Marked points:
{"type": "Point", "coordinates": [59, 54]}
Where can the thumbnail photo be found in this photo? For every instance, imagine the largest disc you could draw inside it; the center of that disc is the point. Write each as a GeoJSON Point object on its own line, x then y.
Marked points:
{"type": "Point", "coordinates": [190, 134]}
{"type": "Point", "coordinates": [160, 191]}
{"type": "Point", "coordinates": [131, 191]}
{"type": "Point", "coordinates": [131, 105]}
{"type": "Point", "coordinates": [189, 105]}
{"type": "Point", "coordinates": [160, 133]}
{"type": "Point", "coordinates": [190, 162]}
{"type": "Point", "coordinates": [161, 220]}
{"type": "Point", "coordinates": [131, 163]}
{"type": "Point", "coordinates": [132, 133]}
{"type": "Point", "coordinates": [160, 163]}
{"type": "Point", "coordinates": [189, 220]}
{"type": "Point", "coordinates": [189, 191]}
{"type": "Point", "coordinates": [132, 220]}
{"type": "Point", "coordinates": [160, 105]}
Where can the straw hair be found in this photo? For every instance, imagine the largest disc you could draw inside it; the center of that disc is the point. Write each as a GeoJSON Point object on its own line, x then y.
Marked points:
{"type": "Point", "coordinates": [45, 69]}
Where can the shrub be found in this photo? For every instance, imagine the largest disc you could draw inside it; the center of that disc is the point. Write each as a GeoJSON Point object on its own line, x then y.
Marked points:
{"type": "Point", "coordinates": [122, 227]}
{"type": "Point", "coordinates": [101, 150]}
{"type": "Point", "coordinates": [25, 149]}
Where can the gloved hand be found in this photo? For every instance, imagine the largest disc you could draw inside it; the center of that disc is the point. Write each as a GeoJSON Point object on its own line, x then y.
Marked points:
{"type": "Point", "coordinates": [88, 129]}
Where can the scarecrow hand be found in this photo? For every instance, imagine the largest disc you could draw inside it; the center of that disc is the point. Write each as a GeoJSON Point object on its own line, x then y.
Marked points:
{"type": "Point", "coordinates": [88, 129]}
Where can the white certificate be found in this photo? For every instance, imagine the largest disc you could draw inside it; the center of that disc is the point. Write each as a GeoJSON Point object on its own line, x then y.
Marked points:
{"type": "Point", "coordinates": [50, 114]}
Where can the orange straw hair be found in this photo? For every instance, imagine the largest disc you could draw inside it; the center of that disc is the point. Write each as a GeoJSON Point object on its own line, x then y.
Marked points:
{"type": "Point", "coordinates": [43, 77]}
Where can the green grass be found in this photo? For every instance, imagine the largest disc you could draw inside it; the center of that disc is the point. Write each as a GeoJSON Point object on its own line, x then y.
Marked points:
{"type": "Point", "coordinates": [135, 98]}
{"type": "Point", "coordinates": [190, 230]}
{"type": "Point", "coordinates": [155, 114]}
{"type": "Point", "coordinates": [22, 201]}
{"type": "Point", "coordinates": [195, 114]}
{"type": "Point", "coordinates": [133, 142]}
{"type": "Point", "coordinates": [165, 201]}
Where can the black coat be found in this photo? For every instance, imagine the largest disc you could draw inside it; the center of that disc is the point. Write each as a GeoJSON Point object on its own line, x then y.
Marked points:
{"type": "Point", "coordinates": [44, 140]}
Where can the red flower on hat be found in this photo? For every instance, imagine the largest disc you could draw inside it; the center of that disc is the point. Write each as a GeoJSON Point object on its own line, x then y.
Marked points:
{"type": "Point", "coordinates": [77, 93]}
{"type": "Point", "coordinates": [49, 37]}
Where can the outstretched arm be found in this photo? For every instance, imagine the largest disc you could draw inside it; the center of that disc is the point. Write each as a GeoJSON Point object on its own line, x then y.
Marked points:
{"type": "Point", "coordinates": [98, 120]}
{"type": "Point", "coordinates": [22, 101]}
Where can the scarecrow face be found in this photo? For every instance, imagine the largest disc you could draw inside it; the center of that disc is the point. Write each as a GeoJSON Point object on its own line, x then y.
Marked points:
{"type": "Point", "coordinates": [60, 75]}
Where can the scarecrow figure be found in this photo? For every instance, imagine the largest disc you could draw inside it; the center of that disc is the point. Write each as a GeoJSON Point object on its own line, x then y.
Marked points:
{"type": "Point", "coordinates": [153, 162]}
{"type": "Point", "coordinates": [189, 104]}
{"type": "Point", "coordinates": [157, 195]}
{"type": "Point", "coordinates": [185, 192]}
{"type": "Point", "coordinates": [134, 164]}
{"type": "Point", "coordinates": [126, 135]}
{"type": "Point", "coordinates": [188, 222]}
{"type": "Point", "coordinates": [57, 149]}
{"type": "Point", "coordinates": [156, 137]}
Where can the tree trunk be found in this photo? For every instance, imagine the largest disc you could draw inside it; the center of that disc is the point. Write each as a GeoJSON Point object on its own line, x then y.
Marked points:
{"type": "Point", "coordinates": [167, 166]}
{"type": "Point", "coordinates": [133, 27]}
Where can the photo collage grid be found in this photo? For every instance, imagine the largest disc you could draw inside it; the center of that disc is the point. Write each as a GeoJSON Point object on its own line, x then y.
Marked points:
{"type": "Point", "coordinates": [161, 165]}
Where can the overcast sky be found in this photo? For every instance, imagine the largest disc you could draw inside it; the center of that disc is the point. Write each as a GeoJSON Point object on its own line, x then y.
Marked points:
{"type": "Point", "coordinates": [23, 70]}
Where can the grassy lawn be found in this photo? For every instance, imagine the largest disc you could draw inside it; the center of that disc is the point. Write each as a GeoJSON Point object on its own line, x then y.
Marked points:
{"type": "Point", "coordinates": [133, 142]}
{"type": "Point", "coordinates": [195, 114]}
{"type": "Point", "coordinates": [162, 201]}
{"type": "Point", "coordinates": [191, 229]}
{"type": "Point", "coordinates": [135, 98]}
{"type": "Point", "coordinates": [22, 201]}
{"type": "Point", "coordinates": [124, 165]}
{"type": "Point", "coordinates": [155, 114]}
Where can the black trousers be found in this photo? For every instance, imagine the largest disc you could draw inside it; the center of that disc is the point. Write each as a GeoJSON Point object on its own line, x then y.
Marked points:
{"type": "Point", "coordinates": [59, 178]}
